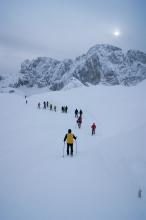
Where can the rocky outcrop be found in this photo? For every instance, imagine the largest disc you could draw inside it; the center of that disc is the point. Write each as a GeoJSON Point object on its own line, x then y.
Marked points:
{"type": "Point", "coordinates": [105, 64]}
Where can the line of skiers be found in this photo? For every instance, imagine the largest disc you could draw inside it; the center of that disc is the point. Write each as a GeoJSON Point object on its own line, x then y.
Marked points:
{"type": "Point", "coordinates": [78, 115]}
{"type": "Point", "coordinates": [64, 109]}
{"type": "Point", "coordinates": [47, 105]}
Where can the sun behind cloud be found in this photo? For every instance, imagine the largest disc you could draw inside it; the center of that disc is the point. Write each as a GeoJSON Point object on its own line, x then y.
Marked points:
{"type": "Point", "coordinates": [117, 33]}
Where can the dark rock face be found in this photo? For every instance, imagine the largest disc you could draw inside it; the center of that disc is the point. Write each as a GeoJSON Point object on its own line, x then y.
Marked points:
{"type": "Point", "coordinates": [104, 64]}
{"type": "Point", "coordinates": [135, 56]}
{"type": "Point", "coordinates": [89, 72]}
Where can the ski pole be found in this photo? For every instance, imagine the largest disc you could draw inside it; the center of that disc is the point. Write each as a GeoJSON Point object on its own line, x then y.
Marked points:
{"type": "Point", "coordinates": [76, 146]}
{"type": "Point", "coordinates": [63, 148]}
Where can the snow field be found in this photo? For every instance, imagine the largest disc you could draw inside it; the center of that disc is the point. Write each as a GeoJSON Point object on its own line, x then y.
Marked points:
{"type": "Point", "coordinates": [100, 182]}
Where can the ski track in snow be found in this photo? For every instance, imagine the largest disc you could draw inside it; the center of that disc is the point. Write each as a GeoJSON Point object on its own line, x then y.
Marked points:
{"type": "Point", "coordinates": [100, 182]}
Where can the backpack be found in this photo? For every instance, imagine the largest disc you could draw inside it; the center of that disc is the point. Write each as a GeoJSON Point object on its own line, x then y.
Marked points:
{"type": "Point", "coordinates": [93, 126]}
{"type": "Point", "coordinates": [70, 138]}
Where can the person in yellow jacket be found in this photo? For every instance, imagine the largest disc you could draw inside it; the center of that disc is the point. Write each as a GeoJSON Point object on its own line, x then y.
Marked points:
{"type": "Point", "coordinates": [69, 138]}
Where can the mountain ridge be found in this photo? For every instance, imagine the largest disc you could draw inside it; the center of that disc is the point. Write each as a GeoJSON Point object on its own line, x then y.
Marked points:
{"type": "Point", "coordinates": [102, 64]}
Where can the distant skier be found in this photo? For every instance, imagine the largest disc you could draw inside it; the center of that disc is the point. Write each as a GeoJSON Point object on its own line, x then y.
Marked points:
{"type": "Point", "coordinates": [79, 121]}
{"type": "Point", "coordinates": [44, 105]}
{"type": "Point", "coordinates": [55, 108]}
{"type": "Point", "coordinates": [50, 107]}
{"type": "Point", "coordinates": [66, 108]}
{"type": "Point", "coordinates": [62, 109]}
{"type": "Point", "coordinates": [69, 138]}
{"type": "Point", "coordinates": [26, 101]}
{"type": "Point", "coordinates": [139, 193]}
{"type": "Point", "coordinates": [93, 127]}
{"type": "Point", "coordinates": [80, 112]}
{"type": "Point", "coordinates": [39, 105]}
{"type": "Point", "coordinates": [47, 104]}
{"type": "Point", "coordinates": [76, 113]}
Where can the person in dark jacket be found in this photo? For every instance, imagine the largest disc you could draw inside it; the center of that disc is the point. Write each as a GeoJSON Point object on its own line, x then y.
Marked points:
{"type": "Point", "coordinates": [66, 108]}
{"type": "Point", "coordinates": [44, 105]}
{"type": "Point", "coordinates": [50, 107]}
{"type": "Point", "coordinates": [62, 109]}
{"type": "Point", "coordinates": [80, 112]}
{"type": "Point", "coordinates": [69, 138]}
{"type": "Point", "coordinates": [39, 105]}
{"type": "Point", "coordinates": [76, 113]}
{"type": "Point", "coordinates": [79, 121]}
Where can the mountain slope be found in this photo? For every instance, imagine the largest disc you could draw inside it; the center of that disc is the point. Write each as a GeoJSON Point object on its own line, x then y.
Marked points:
{"type": "Point", "coordinates": [105, 64]}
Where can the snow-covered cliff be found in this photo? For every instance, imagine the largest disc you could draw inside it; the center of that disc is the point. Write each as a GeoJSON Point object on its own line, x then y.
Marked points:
{"type": "Point", "coordinates": [105, 64]}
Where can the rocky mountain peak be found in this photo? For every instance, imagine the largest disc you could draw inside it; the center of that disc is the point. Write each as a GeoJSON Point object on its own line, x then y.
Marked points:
{"type": "Point", "coordinates": [103, 63]}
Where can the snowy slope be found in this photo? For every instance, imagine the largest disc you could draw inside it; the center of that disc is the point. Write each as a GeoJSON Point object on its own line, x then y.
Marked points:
{"type": "Point", "coordinates": [100, 182]}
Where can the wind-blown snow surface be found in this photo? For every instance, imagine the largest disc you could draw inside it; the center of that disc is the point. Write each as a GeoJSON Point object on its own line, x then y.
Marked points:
{"type": "Point", "coordinates": [100, 182]}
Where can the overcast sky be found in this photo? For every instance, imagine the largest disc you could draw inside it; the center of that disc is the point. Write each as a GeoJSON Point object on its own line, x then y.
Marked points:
{"type": "Point", "coordinates": [67, 28]}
